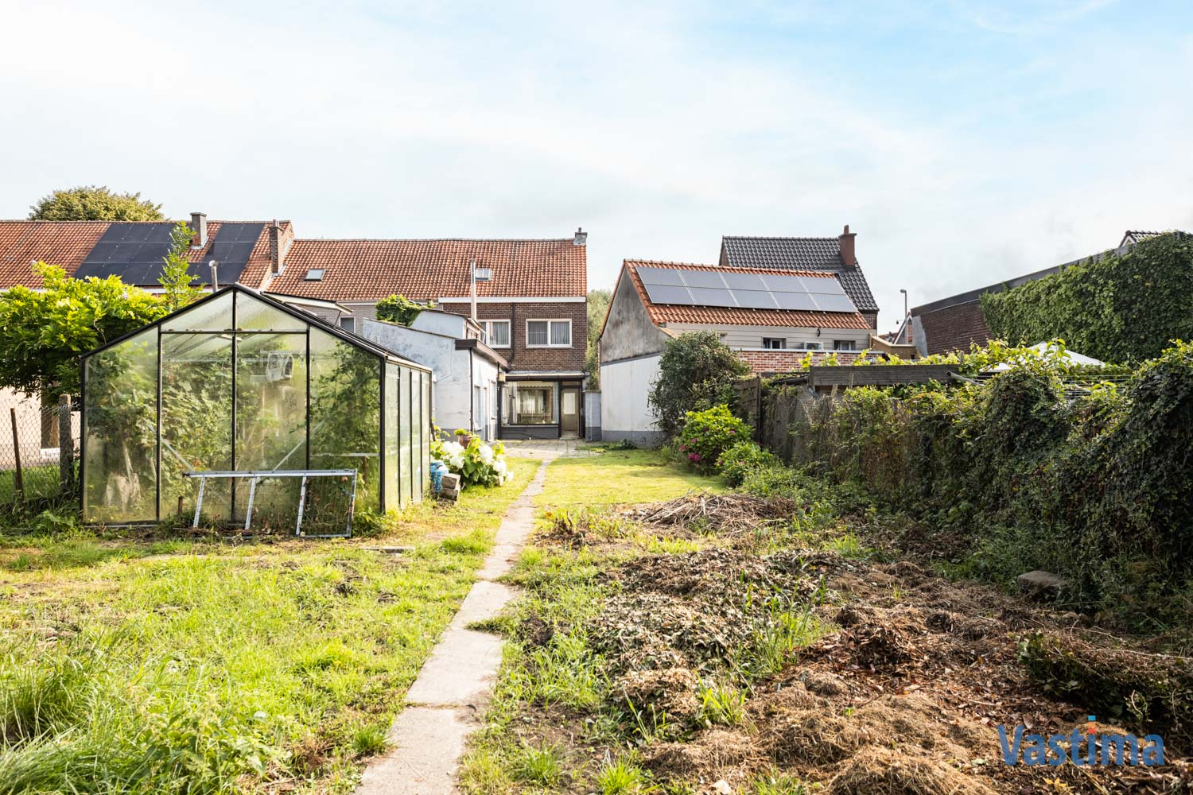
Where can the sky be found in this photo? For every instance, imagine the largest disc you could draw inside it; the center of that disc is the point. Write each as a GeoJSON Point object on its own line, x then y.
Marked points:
{"type": "Point", "coordinates": [964, 142]}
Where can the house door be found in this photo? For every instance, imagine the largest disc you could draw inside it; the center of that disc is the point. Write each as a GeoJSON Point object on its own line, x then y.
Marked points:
{"type": "Point", "coordinates": [569, 412]}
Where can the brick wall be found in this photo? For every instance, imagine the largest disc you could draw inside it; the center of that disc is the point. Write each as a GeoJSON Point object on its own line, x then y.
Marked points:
{"type": "Point", "coordinates": [786, 361]}
{"type": "Point", "coordinates": [521, 357]}
{"type": "Point", "coordinates": [953, 328]}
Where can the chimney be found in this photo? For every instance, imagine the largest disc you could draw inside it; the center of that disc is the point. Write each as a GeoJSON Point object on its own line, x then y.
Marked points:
{"type": "Point", "coordinates": [581, 237]}
{"type": "Point", "coordinates": [848, 252]}
{"type": "Point", "coordinates": [275, 248]}
{"type": "Point", "coordinates": [199, 229]}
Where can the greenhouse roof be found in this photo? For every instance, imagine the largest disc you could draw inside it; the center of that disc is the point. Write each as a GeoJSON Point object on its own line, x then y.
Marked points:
{"type": "Point", "coordinates": [306, 317]}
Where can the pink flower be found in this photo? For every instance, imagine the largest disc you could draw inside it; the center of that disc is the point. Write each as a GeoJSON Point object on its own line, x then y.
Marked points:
{"type": "Point", "coordinates": [693, 457]}
{"type": "Point", "coordinates": [683, 447]}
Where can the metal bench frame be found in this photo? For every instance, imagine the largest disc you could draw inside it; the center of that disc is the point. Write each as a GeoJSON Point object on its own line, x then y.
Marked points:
{"type": "Point", "coordinates": [256, 475]}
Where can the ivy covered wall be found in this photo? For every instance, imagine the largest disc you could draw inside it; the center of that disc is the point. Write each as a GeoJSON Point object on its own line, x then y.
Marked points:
{"type": "Point", "coordinates": [1120, 308]}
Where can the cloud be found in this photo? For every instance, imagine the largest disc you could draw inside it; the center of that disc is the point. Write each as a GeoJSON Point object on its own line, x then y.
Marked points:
{"type": "Point", "coordinates": [959, 153]}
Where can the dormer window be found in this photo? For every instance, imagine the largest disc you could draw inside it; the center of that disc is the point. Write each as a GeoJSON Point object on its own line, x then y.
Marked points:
{"type": "Point", "coordinates": [314, 275]}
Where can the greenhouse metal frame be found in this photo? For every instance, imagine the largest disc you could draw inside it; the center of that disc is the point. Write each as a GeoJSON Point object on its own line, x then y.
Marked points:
{"type": "Point", "coordinates": [239, 381]}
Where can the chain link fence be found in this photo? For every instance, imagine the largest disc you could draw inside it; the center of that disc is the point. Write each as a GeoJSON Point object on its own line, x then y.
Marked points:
{"type": "Point", "coordinates": [38, 455]}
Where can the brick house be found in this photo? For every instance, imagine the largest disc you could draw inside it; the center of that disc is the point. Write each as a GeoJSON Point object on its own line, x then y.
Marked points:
{"type": "Point", "coordinates": [532, 307]}
{"type": "Point", "coordinates": [530, 301]}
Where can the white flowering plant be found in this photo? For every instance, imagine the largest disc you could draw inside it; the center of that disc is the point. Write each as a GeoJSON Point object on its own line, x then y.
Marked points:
{"type": "Point", "coordinates": [475, 462]}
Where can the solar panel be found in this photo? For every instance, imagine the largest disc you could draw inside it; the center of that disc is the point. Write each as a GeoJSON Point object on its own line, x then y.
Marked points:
{"type": "Point", "coordinates": [711, 296]}
{"type": "Point", "coordinates": [685, 287]}
{"type": "Point", "coordinates": [659, 276]}
{"type": "Point", "coordinates": [669, 294]}
{"type": "Point", "coordinates": [703, 279]}
{"type": "Point", "coordinates": [834, 303]}
{"type": "Point", "coordinates": [743, 281]}
{"type": "Point", "coordinates": [755, 299]}
{"type": "Point", "coordinates": [135, 252]}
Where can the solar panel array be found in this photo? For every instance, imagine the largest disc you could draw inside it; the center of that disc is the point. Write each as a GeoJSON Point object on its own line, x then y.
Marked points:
{"type": "Point", "coordinates": [744, 290]}
{"type": "Point", "coordinates": [135, 252]}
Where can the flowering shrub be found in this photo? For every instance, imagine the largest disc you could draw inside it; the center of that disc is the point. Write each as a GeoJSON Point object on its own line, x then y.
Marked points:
{"type": "Point", "coordinates": [476, 462]}
{"type": "Point", "coordinates": [706, 434]}
{"type": "Point", "coordinates": [741, 459]}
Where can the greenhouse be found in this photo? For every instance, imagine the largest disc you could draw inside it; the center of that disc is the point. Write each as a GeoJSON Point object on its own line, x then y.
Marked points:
{"type": "Point", "coordinates": [301, 420]}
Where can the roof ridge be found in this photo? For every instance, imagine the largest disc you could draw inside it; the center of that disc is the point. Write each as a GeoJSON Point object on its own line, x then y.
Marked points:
{"type": "Point", "coordinates": [812, 273]}
{"type": "Point", "coordinates": [434, 240]}
{"type": "Point", "coordinates": [777, 237]}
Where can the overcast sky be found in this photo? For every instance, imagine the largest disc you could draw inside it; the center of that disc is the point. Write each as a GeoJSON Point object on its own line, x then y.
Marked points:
{"type": "Point", "coordinates": [965, 142]}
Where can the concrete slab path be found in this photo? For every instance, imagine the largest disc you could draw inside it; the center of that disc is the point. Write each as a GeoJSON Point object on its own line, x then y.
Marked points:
{"type": "Point", "coordinates": [443, 705]}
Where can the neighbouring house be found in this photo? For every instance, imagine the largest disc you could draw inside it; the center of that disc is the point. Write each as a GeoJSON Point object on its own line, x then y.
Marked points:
{"type": "Point", "coordinates": [957, 322]}
{"type": "Point", "coordinates": [774, 318]}
{"type": "Point", "coordinates": [240, 385]}
{"type": "Point", "coordinates": [834, 255]}
{"type": "Point", "coordinates": [468, 373]}
{"type": "Point", "coordinates": [530, 301]}
{"type": "Point", "coordinates": [530, 295]}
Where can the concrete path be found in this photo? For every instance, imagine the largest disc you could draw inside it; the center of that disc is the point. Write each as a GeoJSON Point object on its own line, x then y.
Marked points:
{"type": "Point", "coordinates": [444, 704]}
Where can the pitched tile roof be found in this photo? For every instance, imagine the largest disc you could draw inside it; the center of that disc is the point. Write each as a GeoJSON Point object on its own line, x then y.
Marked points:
{"type": "Point", "coordinates": [68, 243]}
{"type": "Point", "coordinates": [799, 253]}
{"type": "Point", "coordinates": [735, 316]}
{"type": "Point", "coordinates": [369, 270]}
{"type": "Point", "coordinates": [59, 243]}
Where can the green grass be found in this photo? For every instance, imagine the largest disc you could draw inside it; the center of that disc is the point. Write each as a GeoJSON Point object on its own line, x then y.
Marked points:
{"type": "Point", "coordinates": [179, 666]}
{"type": "Point", "coordinates": [619, 477]}
{"type": "Point", "coordinates": [40, 481]}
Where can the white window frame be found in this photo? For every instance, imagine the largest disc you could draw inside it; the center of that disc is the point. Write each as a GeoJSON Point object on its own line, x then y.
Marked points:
{"type": "Point", "coordinates": [851, 343]}
{"type": "Point", "coordinates": [548, 321]}
{"type": "Point", "coordinates": [804, 345]}
{"type": "Point", "coordinates": [486, 326]}
{"type": "Point", "coordinates": [782, 346]}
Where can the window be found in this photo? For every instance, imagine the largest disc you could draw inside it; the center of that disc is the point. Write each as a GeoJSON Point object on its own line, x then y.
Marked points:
{"type": "Point", "coordinates": [774, 343]}
{"type": "Point", "coordinates": [810, 346]}
{"type": "Point", "coordinates": [314, 275]}
{"type": "Point", "coordinates": [843, 345]}
{"type": "Point", "coordinates": [548, 333]}
{"type": "Point", "coordinates": [497, 333]}
{"type": "Point", "coordinates": [530, 403]}
{"type": "Point", "coordinates": [348, 323]}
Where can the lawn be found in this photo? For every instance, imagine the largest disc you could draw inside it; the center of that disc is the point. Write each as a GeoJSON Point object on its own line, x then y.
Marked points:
{"type": "Point", "coordinates": [619, 477]}
{"type": "Point", "coordinates": [171, 665]}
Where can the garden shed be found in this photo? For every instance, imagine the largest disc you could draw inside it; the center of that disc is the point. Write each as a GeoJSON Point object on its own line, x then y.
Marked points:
{"type": "Point", "coordinates": [241, 383]}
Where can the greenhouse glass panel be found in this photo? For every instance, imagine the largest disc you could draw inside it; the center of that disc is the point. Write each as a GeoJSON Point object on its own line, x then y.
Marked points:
{"type": "Point", "coordinates": [418, 435]}
{"type": "Point", "coordinates": [212, 315]}
{"type": "Point", "coordinates": [407, 468]}
{"type": "Point", "coordinates": [392, 401]}
{"type": "Point", "coordinates": [427, 421]}
{"type": "Point", "coordinates": [271, 405]}
{"type": "Point", "coordinates": [254, 315]}
{"type": "Point", "coordinates": [196, 421]}
{"type": "Point", "coordinates": [120, 431]}
{"type": "Point", "coordinates": [346, 413]}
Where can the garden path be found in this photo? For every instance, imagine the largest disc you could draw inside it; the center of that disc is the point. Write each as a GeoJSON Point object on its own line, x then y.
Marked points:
{"type": "Point", "coordinates": [443, 705]}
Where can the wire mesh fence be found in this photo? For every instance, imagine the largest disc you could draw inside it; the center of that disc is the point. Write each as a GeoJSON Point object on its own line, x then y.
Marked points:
{"type": "Point", "coordinates": [38, 455]}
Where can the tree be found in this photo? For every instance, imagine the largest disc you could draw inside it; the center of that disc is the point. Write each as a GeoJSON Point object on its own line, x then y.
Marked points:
{"type": "Point", "coordinates": [92, 203]}
{"type": "Point", "coordinates": [42, 333]}
{"type": "Point", "coordinates": [598, 305]}
{"type": "Point", "coordinates": [399, 309]}
{"type": "Point", "coordinates": [176, 279]}
{"type": "Point", "coordinates": [696, 372]}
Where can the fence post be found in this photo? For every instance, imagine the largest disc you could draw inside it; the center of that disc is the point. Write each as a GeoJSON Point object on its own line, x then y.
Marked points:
{"type": "Point", "coordinates": [66, 447]}
{"type": "Point", "coordinates": [19, 475]}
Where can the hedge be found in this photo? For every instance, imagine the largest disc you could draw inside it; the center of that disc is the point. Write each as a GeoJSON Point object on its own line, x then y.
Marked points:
{"type": "Point", "coordinates": [1120, 308]}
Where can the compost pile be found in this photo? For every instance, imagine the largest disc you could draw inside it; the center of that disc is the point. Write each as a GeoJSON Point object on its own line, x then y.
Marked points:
{"type": "Point", "coordinates": [722, 514]}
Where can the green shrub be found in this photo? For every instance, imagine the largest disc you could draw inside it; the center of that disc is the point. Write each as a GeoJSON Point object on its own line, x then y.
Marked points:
{"type": "Point", "coordinates": [399, 309]}
{"type": "Point", "coordinates": [706, 434]}
{"type": "Point", "coordinates": [740, 459]}
{"type": "Point", "coordinates": [696, 372]}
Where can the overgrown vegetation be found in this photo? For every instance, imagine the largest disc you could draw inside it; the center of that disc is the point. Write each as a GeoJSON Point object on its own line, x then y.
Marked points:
{"type": "Point", "coordinates": [400, 309]}
{"type": "Point", "coordinates": [696, 372]}
{"type": "Point", "coordinates": [597, 306]}
{"type": "Point", "coordinates": [1118, 308]}
{"type": "Point", "coordinates": [94, 203]}
{"type": "Point", "coordinates": [1018, 475]}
